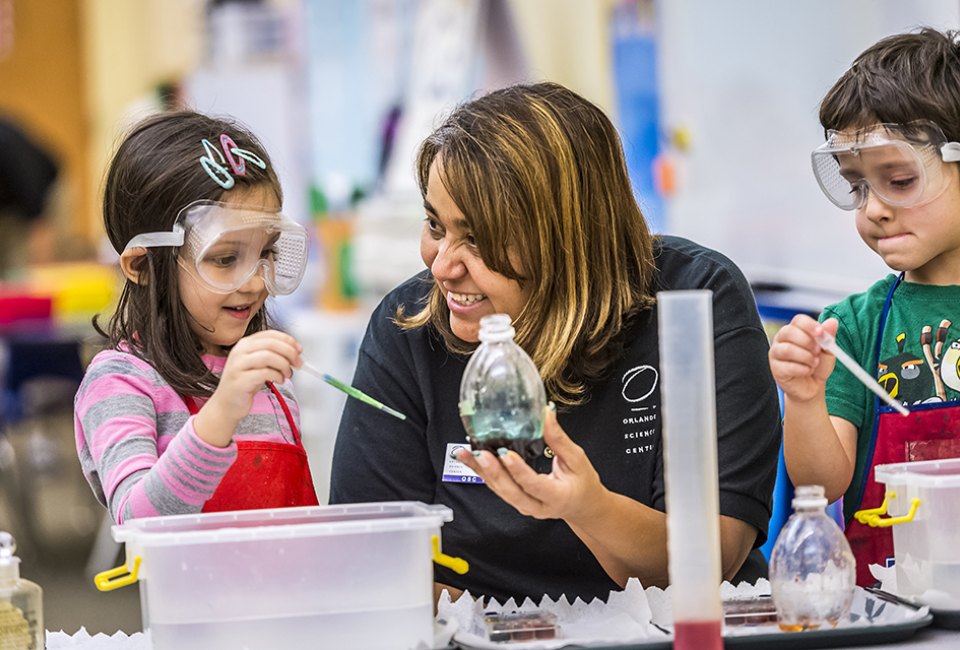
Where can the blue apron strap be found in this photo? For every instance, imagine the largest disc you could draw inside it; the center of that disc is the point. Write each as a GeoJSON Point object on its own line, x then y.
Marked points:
{"type": "Point", "coordinates": [876, 400]}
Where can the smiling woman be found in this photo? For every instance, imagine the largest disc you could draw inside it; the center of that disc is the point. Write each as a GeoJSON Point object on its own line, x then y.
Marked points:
{"type": "Point", "coordinates": [529, 212]}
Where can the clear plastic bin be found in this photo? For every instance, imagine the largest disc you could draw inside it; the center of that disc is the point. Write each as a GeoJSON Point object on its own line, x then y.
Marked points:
{"type": "Point", "coordinates": [351, 576]}
{"type": "Point", "coordinates": [926, 544]}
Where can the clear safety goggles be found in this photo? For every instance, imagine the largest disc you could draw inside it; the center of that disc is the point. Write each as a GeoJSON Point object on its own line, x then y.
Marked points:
{"type": "Point", "coordinates": [224, 246]}
{"type": "Point", "coordinates": [902, 164]}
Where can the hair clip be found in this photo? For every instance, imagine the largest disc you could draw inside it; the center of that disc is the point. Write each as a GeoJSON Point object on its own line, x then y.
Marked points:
{"type": "Point", "coordinates": [215, 161]}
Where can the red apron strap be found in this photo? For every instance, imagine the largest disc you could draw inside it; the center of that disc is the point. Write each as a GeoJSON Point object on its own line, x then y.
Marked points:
{"type": "Point", "coordinates": [191, 404]}
{"type": "Point", "coordinates": [286, 412]}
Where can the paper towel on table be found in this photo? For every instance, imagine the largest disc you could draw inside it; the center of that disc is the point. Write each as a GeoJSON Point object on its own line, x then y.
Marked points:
{"type": "Point", "coordinates": [937, 599]}
{"type": "Point", "coordinates": [83, 641]}
{"type": "Point", "coordinates": [624, 618]}
{"type": "Point", "coordinates": [661, 609]}
{"type": "Point", "coordinates": [887, 576]}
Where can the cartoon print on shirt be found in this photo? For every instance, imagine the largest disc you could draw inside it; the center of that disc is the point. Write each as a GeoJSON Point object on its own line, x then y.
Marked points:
{"type": "Point", "coordinates": [640, 428]}
{"type": "Point", "coordinates": [950, 366]}
{"type": "Point", "coordinates": [902, 375]}
{"type": "Point", "coordinates": [933, 357]}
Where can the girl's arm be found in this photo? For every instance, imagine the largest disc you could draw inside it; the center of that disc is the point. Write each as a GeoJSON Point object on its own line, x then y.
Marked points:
{"type": "Point", "coordinates": [139, 447]}
{"type": "Point", "coordinates": [136, 442]}
{"type": "Point", "coordinates": [256, 359]}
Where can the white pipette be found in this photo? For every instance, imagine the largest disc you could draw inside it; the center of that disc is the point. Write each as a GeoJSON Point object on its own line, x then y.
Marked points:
{"type": "Point", "coordinates": [828, 343]}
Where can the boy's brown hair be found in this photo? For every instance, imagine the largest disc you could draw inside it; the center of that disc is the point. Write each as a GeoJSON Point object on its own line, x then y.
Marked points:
{"type": "Point", "coordinates": [900, 79]}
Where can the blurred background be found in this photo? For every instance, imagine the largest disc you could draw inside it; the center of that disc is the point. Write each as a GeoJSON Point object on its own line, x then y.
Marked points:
{"type": "Point", "coordinates": [716, 103]}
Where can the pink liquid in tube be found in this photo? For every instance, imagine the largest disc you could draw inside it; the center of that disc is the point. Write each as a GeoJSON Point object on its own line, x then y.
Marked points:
{"type": "Point", "coordinates": [697, 635]}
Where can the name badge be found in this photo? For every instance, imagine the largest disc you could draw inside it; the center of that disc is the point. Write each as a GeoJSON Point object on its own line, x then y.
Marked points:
{"type": "Point", "coordinates": [453, 470]}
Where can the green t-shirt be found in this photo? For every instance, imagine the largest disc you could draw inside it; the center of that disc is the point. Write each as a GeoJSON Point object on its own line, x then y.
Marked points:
{"type": "Point", "coordinates": [906, 369]}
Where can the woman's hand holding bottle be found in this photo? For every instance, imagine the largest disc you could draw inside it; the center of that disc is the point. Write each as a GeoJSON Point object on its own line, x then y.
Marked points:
{"type": "Point", "coordinates": [570, 491]}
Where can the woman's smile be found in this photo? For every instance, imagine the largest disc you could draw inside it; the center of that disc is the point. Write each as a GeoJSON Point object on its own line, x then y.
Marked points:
{"type": "Point", "coordinates": [465, 299]}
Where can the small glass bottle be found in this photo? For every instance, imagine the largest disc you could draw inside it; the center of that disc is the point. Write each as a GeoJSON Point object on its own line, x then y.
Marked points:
{"type": "Point", "coordinates": [21, 603]}
{"type": "Point", "coordinates": [502, 398]}
{"type": "Point", "coordinates": [812, 570]}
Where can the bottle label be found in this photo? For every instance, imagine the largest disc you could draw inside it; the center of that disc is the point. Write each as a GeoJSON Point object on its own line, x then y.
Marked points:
{"type": "Point", "coordinates": [453, 470]}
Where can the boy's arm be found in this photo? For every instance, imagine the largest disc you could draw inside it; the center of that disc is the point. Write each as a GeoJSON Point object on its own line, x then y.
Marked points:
{"type": "Point", "coordinates": [818, 449]}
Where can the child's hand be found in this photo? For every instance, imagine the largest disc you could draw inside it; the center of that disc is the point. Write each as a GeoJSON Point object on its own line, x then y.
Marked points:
{"type": "Point", "coordinates": [253, 361]}
{"type": "Point", "coordinates": [798, 363]}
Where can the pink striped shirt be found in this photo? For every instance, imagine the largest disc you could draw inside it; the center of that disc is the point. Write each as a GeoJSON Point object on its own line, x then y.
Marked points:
{"type": "Point", "coordinates": [136, 441]}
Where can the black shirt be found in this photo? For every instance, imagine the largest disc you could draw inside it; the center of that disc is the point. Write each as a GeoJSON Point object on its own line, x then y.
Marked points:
{"type": "Point", "coordinates": [380, 458]}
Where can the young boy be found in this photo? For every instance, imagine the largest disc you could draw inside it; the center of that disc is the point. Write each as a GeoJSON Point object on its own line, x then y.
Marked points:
{"type": "Point", "coordinates": [893, 127]}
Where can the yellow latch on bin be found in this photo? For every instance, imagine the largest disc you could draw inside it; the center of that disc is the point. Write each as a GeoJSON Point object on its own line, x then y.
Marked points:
{"type": "Point", "coordinates": [455, 564]}
{"type": "Point", "coordinates": [119, 577]}
{"type": "Point", "coordinates": [863, 515]}
{"type": "Point", "coordinates": [873, 517]}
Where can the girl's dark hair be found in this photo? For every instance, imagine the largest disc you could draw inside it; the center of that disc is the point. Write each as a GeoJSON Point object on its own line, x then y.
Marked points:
{"type": "Point", "coordinates": [155, 172]}
{"type": "Point", "coordinates": [541, 168]}
{"type": "Point", "coordinates": [900, 79]}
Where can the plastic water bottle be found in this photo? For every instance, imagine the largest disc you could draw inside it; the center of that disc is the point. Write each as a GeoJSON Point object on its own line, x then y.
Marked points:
{"type": "Point", "coordinates": [21, 602]}
{"type": "Point", "coordinates": [812, 570]}
{"type": "Point", "coordinates": [502, 398]}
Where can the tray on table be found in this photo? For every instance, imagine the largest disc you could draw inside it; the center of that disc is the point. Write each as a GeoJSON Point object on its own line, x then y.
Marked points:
{"type": "Point", "coordinates": [890, 622]}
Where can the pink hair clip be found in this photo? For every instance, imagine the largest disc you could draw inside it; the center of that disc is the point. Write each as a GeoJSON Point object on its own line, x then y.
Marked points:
{"type": "Point", "coordinates": [239, 167]}
{"type": "Point", "coordinates": [215, 161]}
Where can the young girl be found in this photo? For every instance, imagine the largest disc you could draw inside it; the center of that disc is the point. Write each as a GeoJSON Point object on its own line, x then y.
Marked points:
{"type": "Point", "coordinates": [189, 407]}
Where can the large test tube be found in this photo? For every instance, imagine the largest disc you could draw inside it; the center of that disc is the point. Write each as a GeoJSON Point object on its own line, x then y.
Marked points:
{"type": "Point", "coordinates": [689, 414]}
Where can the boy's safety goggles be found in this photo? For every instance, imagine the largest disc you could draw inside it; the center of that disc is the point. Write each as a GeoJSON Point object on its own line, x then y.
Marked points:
{"type": "Point", "coordinates": [224, 246]}
{"type": "Point", "coordinates": [902, 164]}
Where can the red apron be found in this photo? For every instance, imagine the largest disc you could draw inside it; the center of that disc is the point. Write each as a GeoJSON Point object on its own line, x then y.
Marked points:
{"type": "Point", "coordinates": [264, 474]}
{"type": "Point", "coordinates": [930, 432]}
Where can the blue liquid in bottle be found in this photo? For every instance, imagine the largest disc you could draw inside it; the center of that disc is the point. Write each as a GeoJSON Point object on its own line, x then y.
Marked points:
{"type": "Point", "coordinates": [501, 394]}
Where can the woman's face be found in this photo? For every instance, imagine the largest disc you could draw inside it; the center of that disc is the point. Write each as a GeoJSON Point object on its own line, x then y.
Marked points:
{"type": "Point", "coordinates": [447, 247]}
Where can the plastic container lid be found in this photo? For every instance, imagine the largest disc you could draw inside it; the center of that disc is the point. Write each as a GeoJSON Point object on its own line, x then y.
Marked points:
{"type": "Point", "coordinates": [285, 523]}
{"type": "Point", "coordinates": [925, 473]}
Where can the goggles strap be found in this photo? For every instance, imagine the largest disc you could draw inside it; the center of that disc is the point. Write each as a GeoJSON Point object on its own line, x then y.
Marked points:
{"type": "Point", "coordinates": [950, 152]}
{"type": "Point", "coordinates": [154, 239]}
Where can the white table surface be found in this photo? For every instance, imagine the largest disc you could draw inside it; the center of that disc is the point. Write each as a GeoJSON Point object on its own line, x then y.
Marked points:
{"type": "Point", "coordinates": [929, 638]}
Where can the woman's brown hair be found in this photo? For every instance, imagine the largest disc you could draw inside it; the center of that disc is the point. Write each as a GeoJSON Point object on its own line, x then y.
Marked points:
{"type": "Point", "coordinates": [154, 174]}
{"type": "Point", "coordinates": [541, 168]}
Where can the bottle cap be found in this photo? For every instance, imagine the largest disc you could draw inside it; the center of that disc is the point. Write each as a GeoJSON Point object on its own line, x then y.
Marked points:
{"type": "Point", "coordinates": [496, 328]}
{"type": "Point", "coordinates": [9, 563]}
{"type": "Point", "coordinates": [809, 496]}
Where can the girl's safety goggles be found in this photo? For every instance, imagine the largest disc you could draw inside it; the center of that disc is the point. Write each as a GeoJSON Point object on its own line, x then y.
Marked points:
{"type": "Point", "coordinates": [224, 246]}
{"type": "Point", "coordinates": [902, 164]}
